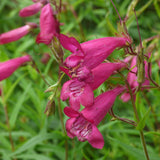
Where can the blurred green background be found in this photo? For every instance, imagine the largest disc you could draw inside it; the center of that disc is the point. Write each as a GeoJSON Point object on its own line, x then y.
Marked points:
{"type": "Point", "coordinates": [38, 137]}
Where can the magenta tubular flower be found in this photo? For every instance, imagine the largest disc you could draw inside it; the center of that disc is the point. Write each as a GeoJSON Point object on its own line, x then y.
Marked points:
{"type": "Point", "coordinates": [91, 53]}
{"type": "Point", "coordinates": [81, 87]}
{"type": "Point", "coordinates": [132, 79]}
{"type": "Point", "coordinates": [49, 26]}
{"type": "Point", "coordinates": [97, 50]}
{"type": "Point", "coordinates": [16, 34]}
{"type": "Point", "coordinates": [84, 124]}
{"type": "Point", "coordinates": [8, 67]}
{"type": "Point", "coordinates": [30, 10]}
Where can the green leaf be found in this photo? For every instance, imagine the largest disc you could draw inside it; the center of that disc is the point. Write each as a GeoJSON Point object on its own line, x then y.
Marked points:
{"type": "Point", "coordinates": [138, 154]}
{"type": "Point", "coordinates": [57, 150]}
{"type": "Point", "coordinates": [9, 92]}
{"type": "Point", "coordinates": [34, 141]}
{"type": "Point", "coordinates": [4, 154]}
{"type": "Point", "coordinates": [33, 156]}
{"type": "Point", "coordinates": [152, 132]}
{"type": "Point", "coordinates": [141, 123]}
{"type": "Point", "coordinates": [157, 7]}
{"type": "Point", "coordinates": [18, 106]}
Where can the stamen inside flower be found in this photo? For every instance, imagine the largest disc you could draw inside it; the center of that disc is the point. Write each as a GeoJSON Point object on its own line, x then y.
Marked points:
{"type": "Point", "coordinates": [83, 73]}
{"type": "Point", "coordinates": [77, 88]}
{"type": "Point", "coordinates": [81, 128]}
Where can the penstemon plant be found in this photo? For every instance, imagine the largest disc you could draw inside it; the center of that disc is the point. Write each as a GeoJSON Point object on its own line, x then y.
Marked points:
{"type": "Point", "coordinates": [92, 76]}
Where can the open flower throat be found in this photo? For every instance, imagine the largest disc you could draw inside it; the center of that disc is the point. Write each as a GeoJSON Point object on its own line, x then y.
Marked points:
{"type": "Point", "coordinates": [81, 128]}
{"type": "Point", "coordinates": [80, 72]}
{"type": "Point", "coordinates": [76, 87]}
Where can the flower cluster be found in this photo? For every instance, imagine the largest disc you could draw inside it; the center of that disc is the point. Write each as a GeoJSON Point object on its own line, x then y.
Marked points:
{"type": "Point", "coordinates": [85, 66]}
{"type": "Point", "coordinates": [87, 71]}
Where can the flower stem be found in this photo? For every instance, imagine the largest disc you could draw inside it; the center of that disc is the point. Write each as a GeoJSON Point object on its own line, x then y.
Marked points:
{"type": "Point", "coordinates": [9, 129]}
{"type": "Point", "coordinates": [7, 122]}
{"type": "Point", "coordinates": [137, 117]}
{"type": "Point", "coordinates": [150, 78]}
{"type": "Point", "coordinates": [144, 145]}
{"type": "Point", "coordinates": [122, 119]}
{"type": "Point", "coordinates": [63, 127]}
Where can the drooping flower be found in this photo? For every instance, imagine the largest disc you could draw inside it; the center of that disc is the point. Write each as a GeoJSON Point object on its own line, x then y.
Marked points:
{"type": "Point", "coordinates": [16, 34]}
{"type": "Point", "coordinates": [132, 79]}
{"type": "Point", "coordinates": [80, 89]}
{"type": "Point", "coordinates": [49, 26]}
{"type": "Point", "coordinates": [91, 53]}
{"type": "Point", "coordinates": [97, 50]}
{"type": "Point", "coordinates": [31, 10]}
{"type": "Point", "coordinates": [8, 67]}
{"type": "Point", "coordinates": [84, 124]}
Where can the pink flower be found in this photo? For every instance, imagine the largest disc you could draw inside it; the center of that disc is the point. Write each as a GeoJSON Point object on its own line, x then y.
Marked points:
{"type": "Point", "coordinates": [30, 10]}
{"type": "Point", "coordinates": [8, 67]}
{"type": "Point", "coordinates": [84, 124]}
{"type": "Point", "coordinates": [132, 79]}
{"type": "Point", "coordinates": [86, 81]}
{"type": "Point", "coordinates": [16, 34]}
{"type": "Point", "coordinates": [71, 44]}
{"type": "Point", "coordinates": [49, 26]}
{"type": "Point", "coordinates": [97, 50]}
{"type": "Point", "coordinates": [92, 53]}
{"type": "Point", "coordinates": [77, 91]}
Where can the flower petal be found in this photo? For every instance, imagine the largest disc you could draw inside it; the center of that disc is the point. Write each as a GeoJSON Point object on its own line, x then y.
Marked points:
{"type": "Point", "coordinates": [65, 90]}
{"type": "Point", "coordinates": [95, 138]}
{"type": "Point", "coordinates": [15, 34]}
{"type": "Point", "coordinates": [101, 105]}
{"type": "Point", "coordinates": [8, 67]}
{"type": "Point", "coordinates": [71, 44]}
{"type": "Point", "coordinates": [71, 112]}
{"type": "Point", "coordinates": [74, 102]}
{"type": "Point", "coordinates": [49, 26]}
{"type": "Point", "coordinates": [97, 50]}
{"type": "Point", "coordinates": [30, 10]}
{"type": "Point", "coordinates": [69, 124]}
{"type": "Point", "coordinates": [102, 72]}
{"type": "Point", "coordinates": [125, 97]}
{"type": "Point", "coordinates": [87, 97]}
{"type": "Point", "coordinates": [73, 60]}
{"type": "Point", "coordinates": [66, 71]}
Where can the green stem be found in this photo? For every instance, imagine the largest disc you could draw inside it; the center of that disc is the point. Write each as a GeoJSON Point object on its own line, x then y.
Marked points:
{"type": "Point", "coordinates": [7, 122]}
{"type": "Point", "coordinates": [150, 78]}
{"type": "Point", "coordinates": [63, 127]}
{"type": "Point", "coordinates": [137, 117]}
{"type": "Point", "coordinates": [122, 119]}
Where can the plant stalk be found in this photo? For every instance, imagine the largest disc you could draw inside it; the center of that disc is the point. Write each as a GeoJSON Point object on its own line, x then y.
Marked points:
{"type": "Point", "coordinates": [63, 127]}
{"type": "Point", "coordinates": [137, 117]}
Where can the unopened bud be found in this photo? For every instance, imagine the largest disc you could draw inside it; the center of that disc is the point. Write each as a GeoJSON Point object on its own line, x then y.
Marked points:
{"type": "Point", "coordinates": [140, 67]}
{"type": "Point", "coordinates": [50, 108]}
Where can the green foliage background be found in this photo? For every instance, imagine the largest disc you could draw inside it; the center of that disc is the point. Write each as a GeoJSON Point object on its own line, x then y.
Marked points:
{"type": "Point", "coordinates": [38, 137]}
